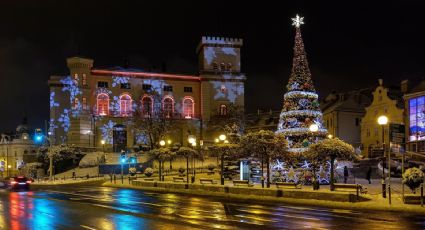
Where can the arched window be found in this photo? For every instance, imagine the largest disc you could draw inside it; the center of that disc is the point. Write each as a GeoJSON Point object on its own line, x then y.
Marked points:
{"type": "Point", "coordinates": [125, 105]}
{"type": "Point", "coordinates": [102, 104]}
{"type": "Point", "coordinates": [222, 67]}
{"type": "Point", "coordinates": [223, 110]}
{"type": "Point", "coordinates": [168, 106]}
{"type": "Point", "coordinates": [229, 67]}
{"type": "Point", "coordinates": [147, 106]}
{"type": "Point", "coordinates": [188, 107]}
{"type": "Point", "coordinates": [76, 103]}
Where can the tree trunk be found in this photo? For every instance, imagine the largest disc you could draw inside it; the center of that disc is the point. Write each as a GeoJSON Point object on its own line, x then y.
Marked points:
{"type": "Point", "coordinates": [159, 171]}
{"type": "Point", "coordinates": [222, 169]}
{"type": "Point", "coordinates": [187, 169]}
{"type": "Point", "coordinates": [268, 171]}
{"type": "Point", "coordinates": [332, 174]}
{"type": "Point", "coordinates": [262, 172]}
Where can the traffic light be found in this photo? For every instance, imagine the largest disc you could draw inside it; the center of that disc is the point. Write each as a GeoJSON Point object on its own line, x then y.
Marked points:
{"type": "Point", "coordinates": [123, 158]}
{"type": "Point", "coordinates": [38, 136]}
{"type": "Point", "coordinates": [133, 160]}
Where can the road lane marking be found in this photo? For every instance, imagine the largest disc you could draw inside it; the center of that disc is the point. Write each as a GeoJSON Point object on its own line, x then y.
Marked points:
{"type": "Point", "coordinates": [87, 227]}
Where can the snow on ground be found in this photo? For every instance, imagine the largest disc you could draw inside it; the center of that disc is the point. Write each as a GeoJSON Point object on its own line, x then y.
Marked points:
{"type": "Point", "coordinates": [91, 159]}
{"type": "Point", "coordinates": [79, 172]}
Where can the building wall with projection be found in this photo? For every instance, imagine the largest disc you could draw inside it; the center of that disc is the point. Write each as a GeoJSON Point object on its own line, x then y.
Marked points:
{"type": "Point", "coordinates": [92, 104]}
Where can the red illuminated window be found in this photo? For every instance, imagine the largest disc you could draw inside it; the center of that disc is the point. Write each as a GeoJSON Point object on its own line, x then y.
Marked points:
{"type": "Point", "coordinates": [223, 110]}
{"type": "Point", "coordinates": [147, 106]}
{"type": "Point", "coordinates": [102, 104]}
{"type": "Point", "coordinates": [125, 105]}
{"type": "Point", "coordinates": [168, 106]}
{"type": "Point", "coordinates": [188, 107]}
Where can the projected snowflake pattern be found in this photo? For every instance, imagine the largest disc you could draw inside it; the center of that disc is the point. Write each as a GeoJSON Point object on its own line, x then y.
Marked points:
{"type": "Point", "coordinates": [53, 103]}
{"type": "Point", "coordinates": [64, 120]}
{"type": "Point", "coordinates": [118, 80]}
{"type": "Point", "coordinates": [107, 131]}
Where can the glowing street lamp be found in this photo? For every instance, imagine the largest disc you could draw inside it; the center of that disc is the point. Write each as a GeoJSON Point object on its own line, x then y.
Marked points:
{"type": "Point", "coordinates": [382, 121]}
{"type": "Point", "coordinates": [169, 142]}
{"type": "Point", "coordinates": [162, 143]}
{"type": "Point", "coordinates": [314, 128]}
{"type": "Point", "coordinates": [330, 136]}
{"type": "Point", "coordinates": [217, 140]}
{"type": "Point", "coordinates": [222, 137]}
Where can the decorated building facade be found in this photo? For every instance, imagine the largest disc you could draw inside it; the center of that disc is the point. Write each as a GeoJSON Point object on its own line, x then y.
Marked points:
{"type": "Point", "coordinates": [92, 104]}
{"type": "Point", "coordinates": [386, 101]}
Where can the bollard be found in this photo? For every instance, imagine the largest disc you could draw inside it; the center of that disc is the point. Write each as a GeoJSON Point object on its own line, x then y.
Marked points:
{"type": "Point", "coordinates": [115, 179]}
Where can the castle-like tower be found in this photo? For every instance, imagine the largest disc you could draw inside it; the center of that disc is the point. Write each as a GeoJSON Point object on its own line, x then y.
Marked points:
{"type": "Point", "coordinates": [301, 118]}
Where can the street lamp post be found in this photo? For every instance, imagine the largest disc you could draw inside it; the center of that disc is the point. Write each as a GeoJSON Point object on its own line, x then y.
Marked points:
{"type": "Point", "coordinates": [222, 138]}
{"type": "Point", "coordinates": [192, 141]}
{"type": "Point", "coordinates": [382, 121]}
{"type": "Point", "coordinates": [103, 145]}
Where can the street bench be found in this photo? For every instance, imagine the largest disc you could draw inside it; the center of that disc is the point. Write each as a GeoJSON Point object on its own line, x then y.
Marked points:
{"type": "Point", "coordinates": [288, 185]}
{"type": "Point", "coordinates": [242, 183]}
{"type": "Point", "coordinates": [358, 188]}
{"type": "Point", "coordinates": [207, 181]}
{"type": "Point", "coordinates": [179, 179]}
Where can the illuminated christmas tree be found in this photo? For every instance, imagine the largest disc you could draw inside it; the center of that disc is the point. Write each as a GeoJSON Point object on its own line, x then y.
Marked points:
{"type": "Point", "coordinates": [301, 118]}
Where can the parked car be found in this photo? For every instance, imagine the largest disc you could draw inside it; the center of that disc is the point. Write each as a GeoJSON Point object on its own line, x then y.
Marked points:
{"type": "Point", "coordinates": [19, 183]}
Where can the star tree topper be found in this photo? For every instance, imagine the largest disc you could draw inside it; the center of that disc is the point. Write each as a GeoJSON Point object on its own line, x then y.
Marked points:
{"type": "Point", "coordinates": [297, 21]}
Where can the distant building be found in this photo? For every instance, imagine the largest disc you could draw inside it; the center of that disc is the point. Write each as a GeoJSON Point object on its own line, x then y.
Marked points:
{"type": "Point", "coordinates": [16, 149]}
{"type": "Point", "coordinates": [387, 101]}
{"type": "Point", "coordinates": [93, 104]}
{"type": "Point", "coordinates": [415, 118]}
{"type": "Point", "coordinates": [262, 120]}
{"type": "Point", "coordinates": [342, 114]}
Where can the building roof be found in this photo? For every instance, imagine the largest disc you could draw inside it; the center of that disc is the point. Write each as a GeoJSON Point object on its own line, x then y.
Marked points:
{"type": "Point", "coordinates": [419, 88]}
{"type": "Point", "coordinates": [354, 101]}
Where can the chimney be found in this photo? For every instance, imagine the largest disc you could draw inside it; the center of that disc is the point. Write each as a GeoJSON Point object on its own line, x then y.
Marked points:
{"type": "Point", "coordinates": [404, 86]}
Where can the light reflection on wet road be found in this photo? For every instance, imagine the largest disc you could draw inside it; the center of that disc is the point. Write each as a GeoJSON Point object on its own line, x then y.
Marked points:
{"type": "Point", "coordinates": [110, 208]}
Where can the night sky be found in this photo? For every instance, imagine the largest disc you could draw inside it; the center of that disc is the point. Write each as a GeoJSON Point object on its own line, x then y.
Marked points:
{"type": "Point", "coordinates": [349, 45]}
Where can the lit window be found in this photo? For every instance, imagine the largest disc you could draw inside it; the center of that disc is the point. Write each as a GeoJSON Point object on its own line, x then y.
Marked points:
{"type": "Point", "coordinates": [76, 103]}
{"type": "Point", "coordinates": [147, 106]}
{"type": "Point", "coordinates": [229, 67]}
{"type": "Point", "coordinates": [102, 104]}
{"type": "Point", "coordinates": [168, 106]}
{"type": "Point", "coordinates": [223, 110]}
{"type": "Point", "coordinates": [76, 77]}
{"type": "Point", "coordinates": [84, 103]}
{"type": "Point", "coordinates": [222, 67]}
{"type": "Point", "coordinates": [188, 107]}
{"type": "Point", "coordinates": [125, 105]}
{"type": "Point", "coordinates": [84, 79]}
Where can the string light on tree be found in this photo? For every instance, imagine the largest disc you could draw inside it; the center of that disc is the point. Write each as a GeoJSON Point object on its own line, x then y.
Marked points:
{"type": "Point", "coordinates": [301, 117]}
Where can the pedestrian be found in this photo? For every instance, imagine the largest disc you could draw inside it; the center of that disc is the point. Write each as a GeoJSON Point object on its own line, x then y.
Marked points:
{"type": "Point", "coordinates": [368, 174]}
{"type": "Point", "coordinates": [345, 174]}
{"type": "Point", "coordinates": [73, 174]}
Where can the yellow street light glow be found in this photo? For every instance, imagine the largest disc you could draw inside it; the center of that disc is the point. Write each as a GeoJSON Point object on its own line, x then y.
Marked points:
{"type": "Point", "coordinates": [226, 141]}
{"type": "Point", "coordinates": [330, 136]}
{"type": "Point", "coordinates": [9, 166]}
{"type": "Point", "coordinates": [382, 120]}
{"type": "Point", "coordinates": [194, 143]}
{"type": "Point", "coordinates": [169, 142]}
{"type": "Point", "coordinates": [222, 137]}
{"type": "Point", "coordinates": [217, 140]}
{"type": "Point", "coordinates": [162, 142]}
{"type": "Point", "coordinates": [102, 142]}
{"type": "Point", "coordinates": [191, 140]}
{"type": "Point", "coordinates": [314, 128]}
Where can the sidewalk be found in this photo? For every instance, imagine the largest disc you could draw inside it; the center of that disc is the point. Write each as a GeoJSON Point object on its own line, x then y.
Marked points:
{"type": "Point", "coordinates": [373, 201]}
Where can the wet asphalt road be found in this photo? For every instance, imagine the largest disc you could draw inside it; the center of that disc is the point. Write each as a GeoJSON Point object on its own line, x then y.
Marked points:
{"type": "Point", "coordinates": [90, 207]}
